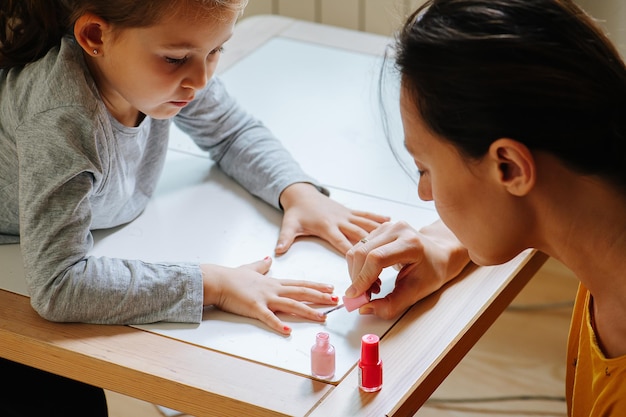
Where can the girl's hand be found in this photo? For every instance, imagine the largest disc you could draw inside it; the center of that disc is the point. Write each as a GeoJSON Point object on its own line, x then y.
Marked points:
{"type": "Point", "coordinates": [307, 212]}
{"type": "Point", "coordinates": [248, 292]}
{"type": "Point", "coordinates": [426, 259]}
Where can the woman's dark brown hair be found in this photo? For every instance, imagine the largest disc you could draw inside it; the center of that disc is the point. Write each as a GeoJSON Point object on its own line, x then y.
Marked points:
{"type": "Point", "coordinates": [537, 71]}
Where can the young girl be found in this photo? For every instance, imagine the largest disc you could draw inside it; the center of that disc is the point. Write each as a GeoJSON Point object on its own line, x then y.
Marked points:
{"type": "Point", "coordinates": [87, 93]}
{"type": "Point", "coordinates": [514, 112]}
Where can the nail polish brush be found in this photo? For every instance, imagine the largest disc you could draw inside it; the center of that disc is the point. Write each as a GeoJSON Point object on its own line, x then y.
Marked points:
{"type": "Point", "coordinates": [351, 304]}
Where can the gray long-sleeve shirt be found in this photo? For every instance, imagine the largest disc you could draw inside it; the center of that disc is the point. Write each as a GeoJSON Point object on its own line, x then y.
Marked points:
{"type": "Point", "coordinates": [68, 167]}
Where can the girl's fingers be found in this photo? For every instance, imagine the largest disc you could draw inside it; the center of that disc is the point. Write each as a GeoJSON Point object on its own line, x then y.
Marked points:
{"type": "Point", "coordinates": [269, 318]}
{"type": "Point", "coordinates": [287, 306]}
{"type": "Point", "coordinates": [373, 217]}
{"type": "Point", "coordinates": [306, 294]}
{"type": "Point", "coordinates": [365, 224]}
{"type": "Point", "coordinates": [318, 286]}
{"type": "Point", "coordinates": [296, 308]}
{"type": "Point", "coordinates": [287, 296]}
{"type": "Point", "coordinates": [338, 240]}
{"type": "Point", "coordinates": [262, 266]}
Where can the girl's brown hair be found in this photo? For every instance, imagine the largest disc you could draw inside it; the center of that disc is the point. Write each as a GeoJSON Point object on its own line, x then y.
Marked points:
{"type": "Point", "coordinates": [29, 28]}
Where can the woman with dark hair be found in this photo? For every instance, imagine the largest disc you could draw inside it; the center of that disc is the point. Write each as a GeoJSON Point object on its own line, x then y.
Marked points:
{"type": "Point", "coordinates": [514, 112]}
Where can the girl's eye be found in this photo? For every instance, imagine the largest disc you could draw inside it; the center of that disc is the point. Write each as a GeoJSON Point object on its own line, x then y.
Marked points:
{"type": "Point", "coordinates": [180, 61]}
{"type": "Point", "coordinates": [175, 61]}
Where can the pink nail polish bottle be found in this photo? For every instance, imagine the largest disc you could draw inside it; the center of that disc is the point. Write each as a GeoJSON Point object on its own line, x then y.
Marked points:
{"type": "Point", "coordinates": [323, 357]}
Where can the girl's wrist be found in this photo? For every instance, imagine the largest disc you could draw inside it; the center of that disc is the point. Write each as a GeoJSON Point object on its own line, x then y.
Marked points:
{"type": "Point", "coordinates": [210, 284]}
{"type": "Point", "coordinates": [294, 193]}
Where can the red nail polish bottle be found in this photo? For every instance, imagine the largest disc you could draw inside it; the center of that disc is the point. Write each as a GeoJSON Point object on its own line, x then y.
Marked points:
{"type": "Point", "coordinates": [323, 357]}
{"type": "Point", "coordinates": [370, 365]}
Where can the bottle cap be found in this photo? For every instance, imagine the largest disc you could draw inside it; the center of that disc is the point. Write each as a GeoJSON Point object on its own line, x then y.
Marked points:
{"type": "Point", "coordinates": [369, 349]}
{"type": "Point", "coordinates": [322, 337]}
{"type": "Point", "coordinates": [352, 304]}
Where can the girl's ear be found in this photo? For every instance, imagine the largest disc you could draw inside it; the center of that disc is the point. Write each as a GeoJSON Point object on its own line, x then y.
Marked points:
{"type": "Point", "coordinates": [515, 166]}
{"type": "Point", "coordinates": [88, 31]}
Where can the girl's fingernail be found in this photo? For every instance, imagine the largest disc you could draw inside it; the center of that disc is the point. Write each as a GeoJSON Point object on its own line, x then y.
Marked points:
{"type": "Point", "coordinates": [334, 298]}
{"type": "Point", "coordinates": [287, 329]}
{"type": "Point", "coordinates": [267, 258]}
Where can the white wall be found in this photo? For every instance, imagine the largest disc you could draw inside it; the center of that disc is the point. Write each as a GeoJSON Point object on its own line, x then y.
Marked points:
{"type": "Point", "coordinates": [386, 16]}
{"type": "Point", "coordinates": [376, 16]}
{"type": "Point", "coordinates": [611, 15]}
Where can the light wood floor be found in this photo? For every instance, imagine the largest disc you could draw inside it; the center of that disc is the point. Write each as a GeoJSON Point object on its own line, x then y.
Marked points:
{"type": "Point", "coordinates": [516, 369]}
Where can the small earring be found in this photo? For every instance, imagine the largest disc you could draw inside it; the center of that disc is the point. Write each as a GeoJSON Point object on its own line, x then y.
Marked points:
{"type": "Point", "coordinates": [95, 52]}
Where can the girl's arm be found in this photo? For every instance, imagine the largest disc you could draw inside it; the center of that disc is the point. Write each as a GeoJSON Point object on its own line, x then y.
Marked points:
{"type": "Point", "coordinates": [67, 186]}
{"type": "Point", "coordinates": [247, 151]}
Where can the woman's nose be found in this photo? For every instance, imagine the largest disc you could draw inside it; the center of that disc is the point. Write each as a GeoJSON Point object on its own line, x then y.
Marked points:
{"type": "Point", "coordinates": [424, 190]}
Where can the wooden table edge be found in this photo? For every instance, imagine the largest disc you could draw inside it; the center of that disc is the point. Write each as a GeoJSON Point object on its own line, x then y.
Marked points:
{"type": "Point", "coordinates": [151, 367]}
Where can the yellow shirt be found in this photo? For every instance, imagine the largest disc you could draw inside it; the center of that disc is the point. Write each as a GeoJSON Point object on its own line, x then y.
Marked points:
{"type": "Point", "coordinates": [595, 385]}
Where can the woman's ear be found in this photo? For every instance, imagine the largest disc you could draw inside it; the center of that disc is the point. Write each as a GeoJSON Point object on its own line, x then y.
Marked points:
{"type": "Point", "coordinates": [88, 31]}
{"type": "Point", "coordinates": [515, 165]}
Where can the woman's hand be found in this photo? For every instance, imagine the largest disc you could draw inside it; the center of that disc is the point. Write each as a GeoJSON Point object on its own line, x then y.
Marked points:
{"type": "Point", "coordinates": [248, 292]}
{"type": "Point", "coordinates": [426, 259]}
{"type": "Point", "coordinates": [307, 212]}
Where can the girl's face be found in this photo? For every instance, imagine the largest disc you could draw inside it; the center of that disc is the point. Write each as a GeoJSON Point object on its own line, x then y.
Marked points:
{"type": "Point", "coordinates": [468, 197]}
{"type": "Point", "coordinates": [157, 70]}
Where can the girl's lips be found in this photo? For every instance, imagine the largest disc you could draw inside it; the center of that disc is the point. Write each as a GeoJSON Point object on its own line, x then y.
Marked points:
{"type": "Point", "coordinates": [179, 103]}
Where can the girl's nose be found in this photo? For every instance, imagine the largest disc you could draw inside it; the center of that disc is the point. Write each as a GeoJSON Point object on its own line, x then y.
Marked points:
{"type": "Point", "coordinates": [198, 76]}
